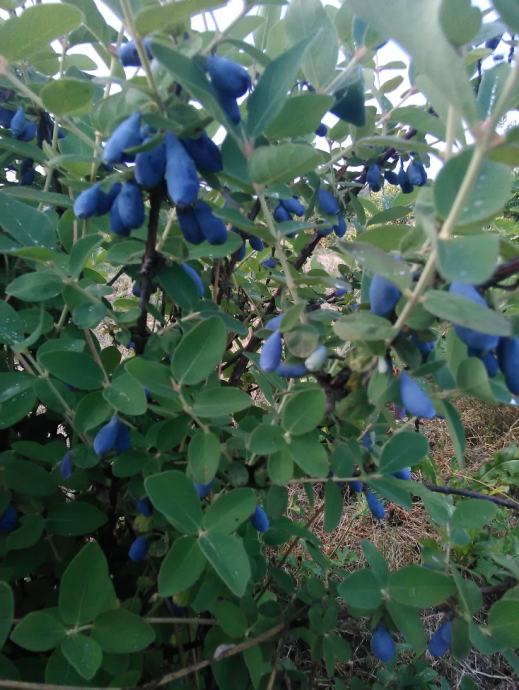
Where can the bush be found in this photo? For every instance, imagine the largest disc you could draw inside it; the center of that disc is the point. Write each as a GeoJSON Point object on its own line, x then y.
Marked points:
{"type": "Point", "coordinates": [171, 366]}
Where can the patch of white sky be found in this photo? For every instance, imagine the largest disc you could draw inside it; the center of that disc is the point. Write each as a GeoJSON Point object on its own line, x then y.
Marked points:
{"type": "Point", "coordinates": [223, 16]}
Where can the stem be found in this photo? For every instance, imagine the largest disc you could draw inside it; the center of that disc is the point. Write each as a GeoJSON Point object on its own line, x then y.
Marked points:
{"type": "Point", "coordinates": [220, 35]}
{"type": "Point", "coordinates": [95, 354]}
{"type": "Point", "coordinates": [357, 57]}
{"type": "Point", "coordinates": [450, 490]}
{"type": "Point", "coordinates": [450, 136]}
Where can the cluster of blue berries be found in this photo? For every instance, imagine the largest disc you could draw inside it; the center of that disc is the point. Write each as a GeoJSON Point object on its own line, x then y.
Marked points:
{"type": "Point", "coordinates": [414, 176]}
{"type": "Point", "coordinates": [328, 204]}
{"type": "Point", "coordinates": [272, 351]}
{"type": "Point", "coordinates": [384, 648]}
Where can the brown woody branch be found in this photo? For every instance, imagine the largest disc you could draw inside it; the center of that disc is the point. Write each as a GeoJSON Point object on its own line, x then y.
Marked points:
{"type": "Point", "coordinates": [450, 490]}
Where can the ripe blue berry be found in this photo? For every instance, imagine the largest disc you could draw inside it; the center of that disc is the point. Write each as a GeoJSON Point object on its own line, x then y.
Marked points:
{"type": "Point", "coordinates": [189, 225]}
{"type": "Point", "coordinates": [508, 358]}
{"type": "Point", "coordinates": [404, 473]}
{"type": "Point", "coordinates": [126, 136]}
{"type": "Point", "coordinates": [425, 346]}
{"type": "Point", "coordinates": [383, 645]}
{"type": "Point", "coordinates": [105, 201]}
{"type": "Point", "coordinates": [205, 153]}
{"type": "Point", "coordinates": [18, 123]}
{"type": "Point", "coordinates": [112, 436]}
{"type": "Point", "coordinates": [144, 506]}
{"type": "Point", "coordinates": [488, 359]}
{"type": "Point", "coordinates": [130, 205]}
{"type": "Point", "coordinates": [256, 243]}
{"type": "Point", "coordinates": [492, 43]}
{"type": "Point", "coordinates": [404, 181]}
{"type": "Point", "coordinates": [8, 519]}
{"type": "Point", "coordinates": [275, 322]}
{"type": "Point", "coordinates": [87, 203]}
{"type": "Point", "coordinates": [415, 399]}
{"type": "Point", "coordinates": [213, 228]}
{"type": "Point", "coordinates": [324, 232]}
{"type": "Point", "coordinates": [391, 177]}
{"type": "Point", "coordinates": [383, 296]}
{"type": "Point", "coordinates": [27, 172]}
{"type": "Point", "coordinates": [281, 215]}
{"type": "Point", "coordinates": [150, 166]}
{"type": "Point", "coordinates": [230, 107]}
{"type": "Point", "coordinates": [441, 641]}
{"type": "Point", "coordinates": [416, 173]}
{"type": "Point", "coordinates": [327, 202]}
{"type": "Point", "coordinates": [139, 549]}
{"type": "Point", "coordinates": [190, 271]}
{"type": "Point", "coordinates": [260, 519]}
{"type": "Point", "coordinates": [293, 205]}
{"type": "Point", "coordinates": [474, 339]}
{"type": "Point", "coordinates": [356, 486]}
{"type": "Point", "coordinates": [322, 130]}
{"type": "Point", "coordinates": [228, 77]}
{"type": "Point", "coordinates": [291, 371]}
{"type": "Point", "coordinates": [374, 178]}
{"type": "Point", "coordinates": [270, 356]}
{"type": "Point", "coordinates": [128, 55]}
{"type": "Point", "coordinates": [376, 506]}
{"type": "Point", "coordinates": [66, 466]}
{"type": "Point", "coordinates": [203, 490]}
{"type": "Point", "coordinates": [340, 228]}
{"type": "Point", "coordinates": [6, 115]}
{"type": "Point", "coordinates": [181, 178]}
{"type": "Point", "coordinates": [269, 263]}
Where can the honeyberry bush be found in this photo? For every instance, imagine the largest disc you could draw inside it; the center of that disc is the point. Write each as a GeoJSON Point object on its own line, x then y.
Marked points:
{"type": "Point", "coordinates": [145, 474]}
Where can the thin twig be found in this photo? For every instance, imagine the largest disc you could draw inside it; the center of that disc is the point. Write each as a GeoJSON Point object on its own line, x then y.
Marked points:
{"type": "Point", "coordinates": [451, 490]}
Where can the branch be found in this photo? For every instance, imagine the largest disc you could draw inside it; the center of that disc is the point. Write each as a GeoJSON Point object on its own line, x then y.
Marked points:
{"type": "Point", "coordinates": [450, 490]}
{"type": "Point", "coordinates": [502, 272]}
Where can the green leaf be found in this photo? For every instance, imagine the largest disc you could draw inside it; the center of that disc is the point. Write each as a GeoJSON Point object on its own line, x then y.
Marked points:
{"type": "Point", "coordinates": [280, 467]}
{"type": "Point", "coordinates": [265, 439]}
{"type": "Point", "coordinates": [35, 287]}
{"type": "Point", "coordinates": [83, 653]}
{"type": "Point", "coordinates": [509, 11]}
{"type": "Point", "coordinates": [67, 96]}
{"type": "Point", "coordinates": [333, 506]}
{"type": "Point", "coordinates": [81, 252]}
{"type": "Point", "coordinates": [491, 87]}
{"type": "Point", "coordinates": [456, 430]}
{"type": "Point", "coordinates": [7, 609]}
{"type": "Point", "coordinates": [200, 351]}
{"type": "Point", "coordinates": [179, 286]}
{"type": "Point", "coordinates": [11, 325]}
{"type": "Point", "coordinates": [14, 383]}
{"type": "Point", "coordinates": [91, 411]}
{"type": "Point", "coordinates": [21, 37]}
{"type": "Point", "coordinates": [24, 223]}
{"type": "Point", "coordinates": [86, 589]}
{"type": "Point", "coordinates": [156, 377]}
{"type": "Point", "coordinates": [228, 557]}
{"type": "Point", "coordinates": [402, 450]}
{"type": "Point", "coordinates": [75, 518]}
{"type": "Point", "coordinates": [16, 408]}
{"type": "Point", "coordinates": [376, 561]}
{"type": "Point", "coordinates": [181, 568]}
{"type": "Point", "coordinates": [28, 478]}
{"type": "Point", "coordinates": [173, 495]}
{"type": "Point", "coordinates": [417, 29]}
{"type": "Point", "coordinates": [465, 312]}
{"type": "Point", "coordinates": [472, 379]}
{"type": "Point", "coordinates": [300, 115]}
{"type": "Point", "coordinates": [503, 622]}
{"type": "Point", "coordinates": [419, 587]}
{"type": "Point", "coordinates": [460, 21]}
{"type": "Point", "coordinates": [203, 455]}
{"type": "Point", "coordinates": [167, 17]}
{"type": "Point", "coordinates": [473, 513]}
{"type": "Point", "coordinates": [271, 92]}
{"type": "Point", "coordinates": [215, 402]}
{"type": "Point", "coordinates": [393, 213]}
{"type": "Point", "coordinates": [363, 326]}
{"type": "Point", "coordinates": [230, 510]}
{"type": "Point", "coordinates": [304, 411]}
{"type": "Point", "coordinates": [409, 622]}
{"type": "Point", "coordinates": [309, 454]}
{"type": "Point", "coordinates": [38, 631]}
{"type": "Point", "coordinates": [377, 261]}
{"type": "Point", "coordinates": [231, 619]}
{"type": "Point", "coordinates": [487, 196]}
{"type": "Point", "coordinates": [469, 259]}
{"type": "Point", "coordinates": [282, 162]}
{"type": "Point", "coordinates": [360, 590]}
{"type": "Point", "coordinates": [127, 395]}
{"type": "Point", "coordinates": [27, 534]}
{"type": "Point", "coordinates": [122, 632]}
{"type": "Point", "coordinates": [78, 369]}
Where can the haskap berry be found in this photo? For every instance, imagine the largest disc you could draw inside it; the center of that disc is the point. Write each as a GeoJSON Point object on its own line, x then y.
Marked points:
{"type": "Point", "coordinates": [375, 505]}
{"type": "Point", "coordinates": [281, 215]}
{"type": "Point", "coordinates": [416, 173]}
{"type": "Point", "coordinates": [270, 355]}
{"type": "Point", "coordinates": [228, 77]}
{"type": "Point", "coordinates": [144, 506]}
{"type": "Point", "coordinates": [441, 640]}
{"type": "Point", "coordinates": [188, 221]}
{"type": "Point", "coordinates": [139, 549]}
{"type": "Point", "coordinates": [150, 166]}
{"type": "Point", "coordinates": [374, 178]}
{"type": "Point", "coordinates": [213, 228]}
{"type": "Point", "coordinates": [383, 645]}
{"type": "Point", "coordinates": [204, 152]}
{"type": "Point", "coordinates": [508, 359]}
{"type": "Point", "coordinates": [181, 176]}
{"type": "Point", "coordinates": [293, 205]}
{"type": "Point", "coordinates": [190, 271]}
{"type": "Point", "coordinates": [415, 399]}
{"type": "Point", "coordinates": [291, 370]}
{"type": "Point", "coordinates": [260, 519]}
{"type": "Point", "coordinates": [125, 136]}
{"type": "Point", "coordinates": [383, 296]}
{"type": "Point", "coordinates": [327, 202]}
{"type": "Point", "coordinates": [130, 205]}
{"type": "Point", "coordinates": [66, 466]}
{"type": "Point", "coordinates": [203, 490]}
{"type": "Point", "coordinates": [472, 338]}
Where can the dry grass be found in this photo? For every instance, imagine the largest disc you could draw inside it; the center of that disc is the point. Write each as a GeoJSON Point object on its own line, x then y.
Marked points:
{"type": "Point", "coordinates": [488, 429]}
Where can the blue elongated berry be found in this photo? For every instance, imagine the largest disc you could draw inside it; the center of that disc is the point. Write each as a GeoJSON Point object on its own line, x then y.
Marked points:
{"type": "Point", "coordinates": [144, 506]}
{"type": "Point", "coordinates": [228, 77]}
{"type": "Point", "coordinates": [508, 358]}
{"type": "Point", "coordinates": [441, 640]}
{"type": "Point", "coordinates": [383, 645]}
{"type": "Point", "coordinates": [29, 132]}
{"type": "Point", "coordinates": [316, 360]}
{"type": "Point", "coordinates": [415, 399]}
{"type": "Point", "coordinates": [230, 107]}
{"type": "Point", "coordinates": [27, 172]}
{"type": "Point", "coordinates": [150, 166]}
{"type": "Point", "coordinates": [190, 271]}
{"type": "Point", "coordinates": [130, 205]}
{"type": "Point", "coordinates": [340, 290]}
{"type": "Point", "coordinates": [391, 177]}
{"type": "Point", "coordinates": [189, 225]}
{"type": "Point", "coordinates": [340, 228]}
{"type": "Point", "coordinates": [260, 519]}
{"type": "Point", "coordinates": [322, 130]}
{"type": "Point", "coordinates": [269, 263]}
{"type": "Point", "coordinates": [270, 356]}
{"type": "Point", "coordinates": [205, 153]}
{"type": "Point", "coordinates": [66, 466]}
{"type": "Point", "coordinates": [374, 178]}
{"type": "Point", "coordinates": [327, 202]}
{"type": "Point", "coordinates": [488, 359]}
{"type": "Point", "coordinates": [139, 549]}
{"type": "Point", "coordinates": [123, 441]}
{"type": "Point", "coordinates": [492, 43]}
{"type": "Point", "coordinates": [129, 56]}
{"type": "Point", "coordinates": [404, 182]}
{"type": "Point", "coordinates": [181, 178]}
{"type": "Point", "coordinates": [6, 115]}
{"type": "Point", "coordinates": [425, 346]}
{"type": "Point", "coordinates": [356, 486]}
{"type": "Point", "coordinates": [416, 173]}
{"type": "Point", "coordinates": [404, 473]}
{"type": "Point", "coordinates": [383, 296]}
{"type": "Point", "coordinates": [376, 506]}
{"type": "Point", "coordinates": [116, 224]}
{"type": "Point", "coordinates": [104, 440]}
{"type": "Point", "coordinates": [213, 228]}
{"type": "Point", "coordinates": [203, 490]}
{"type": "Point", "coordinates": [367, 441]}
{"type": "Point", "coordinates": [475, 339]}
{"type": "Point", "coordinates": [293, 205]}
{"type": "Point", "coordinates": [18, 123]}
{"type": "Point", "coordinates": [86, 204]}
{"type": "Point", "coordinates": [281, 215]}
{"type": "Point", "coordinates": [125, 136]}
{"type": "Point", "coordinates": [275, 323]}
{"type": "Point", "coordinates": [8, 519]}
{"type": "Point", "coordinates": [292, 371]}
{"type": "Point", "coordinates": [324, 232]}
{"type": "Point", "coordinates": [106, 200]}
{"type": "Point", "coordinates": [256, 243]}
{"type": "Point", "coordinates": [240, 253]}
